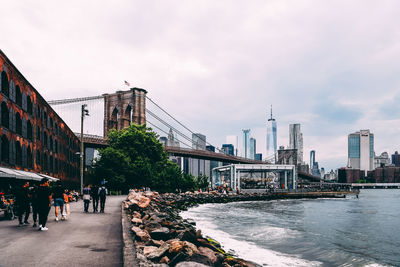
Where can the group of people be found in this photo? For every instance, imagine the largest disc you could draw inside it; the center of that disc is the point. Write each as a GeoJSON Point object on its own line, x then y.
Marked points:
{"type": "Point", "coordinates": [40, 198]}
{"type": "Point", "coordinates": [94, 193]}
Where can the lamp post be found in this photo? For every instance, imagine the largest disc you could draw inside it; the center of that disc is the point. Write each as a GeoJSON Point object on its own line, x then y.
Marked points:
{"type": "Point", "coordinates": [84, 113]}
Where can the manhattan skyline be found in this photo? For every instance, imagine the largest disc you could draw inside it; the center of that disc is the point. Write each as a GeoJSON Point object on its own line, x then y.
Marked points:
{"type": "Point", "coordinates": [319, 64]}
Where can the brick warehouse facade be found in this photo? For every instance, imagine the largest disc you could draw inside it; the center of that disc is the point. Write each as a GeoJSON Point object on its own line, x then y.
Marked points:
{"type": "Point", "coordinates": [33, 137]}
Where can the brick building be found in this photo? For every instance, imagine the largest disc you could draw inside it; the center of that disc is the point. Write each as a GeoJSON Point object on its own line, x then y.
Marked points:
{"type": "Point", "coordinates": [33, 137]}
{"type": "Point", "coordinates": [349, 175]}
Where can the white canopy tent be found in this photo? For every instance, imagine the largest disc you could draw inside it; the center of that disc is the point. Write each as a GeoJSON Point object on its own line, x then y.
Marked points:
{"type": "Point", "coordinates": [24, 175]}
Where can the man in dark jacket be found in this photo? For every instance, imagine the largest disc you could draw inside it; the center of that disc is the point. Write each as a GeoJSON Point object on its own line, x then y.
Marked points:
{"type": "Point", "coordinates": [44, 203]}
{"type": "Point", "coordinates": [102, 195]}
{"type": "Point", "coordinates": [23, 203]}
{"type": "Point", "coordinates": [94, 192]}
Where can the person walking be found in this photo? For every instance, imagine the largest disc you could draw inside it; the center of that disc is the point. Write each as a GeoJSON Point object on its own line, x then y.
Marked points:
{"type": "Point", "coordinates": [23, 203]}
{"type": "Point", "coordinates": [86, 198]}
{"type": "Point", "coordinates": [58, 195]}
{"type": "Point", "coordinates": [94, 191]}
{"type": "Point", "coordinates": [34, 203]}
{"type": "Point", "coordinates": [44, 203]}
{"type": "Point", "coordinates": [102, 196]}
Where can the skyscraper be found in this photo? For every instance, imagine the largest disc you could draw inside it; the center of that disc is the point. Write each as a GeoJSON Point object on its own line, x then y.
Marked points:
{"type": "Point", "coordinates": [228, 149]}
{"type": "Point", "coordinates": [396, 159]}
{"type": "Point", "coordinates": [361, 150]}
{"type": "Point", "coordinates": [246, 143]}
{"type": "Point", "coordinates": [233, 140]}
{"type": "Point", "coordinates": [253, 148]}
{"type": "Point", "coordinates": [296, 141]}
{"type": "Point", "coordinates": [312, 159]}
{"type": "Point", "coordinates": [271, 137]}
{"type": "Point", "coordinates": [198, 166]}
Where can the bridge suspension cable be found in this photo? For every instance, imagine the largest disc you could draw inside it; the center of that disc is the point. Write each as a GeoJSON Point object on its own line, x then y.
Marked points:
{"type": "Point", "coordinates": [168, 125]}
{"type": "Point", "coordinates": [172, 117]}
{"type": "Point", "coordinates": [166, 133]}
{"type": "Point", "coordinates": [73, 100]}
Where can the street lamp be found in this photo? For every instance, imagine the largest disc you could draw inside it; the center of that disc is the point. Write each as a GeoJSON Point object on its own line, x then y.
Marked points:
{"type": "Point", "coordinates": [84, 113]}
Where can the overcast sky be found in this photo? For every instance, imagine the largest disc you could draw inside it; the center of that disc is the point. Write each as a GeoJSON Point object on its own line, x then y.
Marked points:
{"type": "Point", "coordinates": [332, 66]}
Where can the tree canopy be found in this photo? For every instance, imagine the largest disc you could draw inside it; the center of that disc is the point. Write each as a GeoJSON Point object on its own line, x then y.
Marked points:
{"type": "Point", "coordinates": [135, 158]}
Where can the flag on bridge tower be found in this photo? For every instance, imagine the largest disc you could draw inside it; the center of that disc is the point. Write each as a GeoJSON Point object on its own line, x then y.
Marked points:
{"type": "Point", "coordinates": [127, 84]}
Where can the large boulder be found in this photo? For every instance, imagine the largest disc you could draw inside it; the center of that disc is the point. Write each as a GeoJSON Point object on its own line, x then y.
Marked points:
{"type": "Point", "coordinates": [209, 253]}
{"type": "Point", "coordinates": [159, 252]}
{"type": "Point", "coordinates": [136, 221]}
{"type": "Point", "coordinates": [144, 202]}
{"type": "Point", "coordinates": [176, 246]}
{"type": "Point", "coordinates": [160, 234]}
{"type": "Point", "coordinates": [190, 249]}
{"type": "Point", "coordinates": [142, 235]}
{"type": "Point", "coordinates": [190, 264]}
{"type": "Point", "coordinates": [148, 250]}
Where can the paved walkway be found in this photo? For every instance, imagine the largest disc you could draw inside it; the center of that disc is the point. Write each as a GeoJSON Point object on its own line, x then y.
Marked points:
{"type": "Point", "coordinates": [85, 239]}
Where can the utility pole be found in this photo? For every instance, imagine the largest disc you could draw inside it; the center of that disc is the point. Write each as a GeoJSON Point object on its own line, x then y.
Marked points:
{"type": "Point", "coordinates": [84, 113]}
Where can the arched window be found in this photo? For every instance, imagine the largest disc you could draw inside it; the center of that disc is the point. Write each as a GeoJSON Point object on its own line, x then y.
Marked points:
{"type": "Point", "coordinates": [38, 162]}
{"type": "Point", "coordinates": [55, 146]}
{"type": "Point", "coordinates": [51, 164]}
{"type": "Point", "coordinates": [18, 124]}
{"type": "Point", "coordinates": [5, 85]}
{"type": "Point", "coordinates": [45, 167]}
{"type": "Point", "coordinates": [5, 149]}
{"type": "Point", "coordinates": [29, 129]}
{"type": "Point", "coordinates": [18, 154]}
{"type": "Point", "coordinates": [44, 120]}
{"type": "Point", "coordinates": [37, 133]}
{"type": "Point", "coordinates": [51, 143]}
{"type": "Point", "coordinates": [18, 96]}
{"type": "Point", "coordinates": [44, 139]}
{"type": "Point", "coordinates": [29, 158]}
{"type": "Point", "coordinates": [128, 116]}
{"type": "Point", "coordinates": [29, 104]}
{"type": "Point", "coordinates": [5, 117]}
{"type": "Point", "coordinates": [113, 123]}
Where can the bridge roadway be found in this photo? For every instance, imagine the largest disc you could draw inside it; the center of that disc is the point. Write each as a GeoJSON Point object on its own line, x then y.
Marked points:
{"type": "Point", "coordinates": [85, 239]}
{"type": "Point", "coordinates": [99, 141]}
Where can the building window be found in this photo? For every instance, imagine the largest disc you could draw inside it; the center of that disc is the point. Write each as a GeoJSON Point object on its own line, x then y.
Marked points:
{"type": "Point", "coordinates": [51, 164]}
{"type": "Point", "coordinates": [44, 119]}
{"type": "Point", "coordinates": [45, 162]}
{"type": "Point", "coordinates": [18, 96]}
{"type": "Point", "coordinates": [5, 149]}
{"type": "Point", "coordinates": [38, 162]}
{"type": "Point", "coordinates": [44, 139]}
{"type": "Point", "coordinates": [5, 117]}
{"type": "Point", "coordinates": [29, 104]}
{"type": "Point", "coordinates": [29, 129]}
{"type": "Point", "coordinates": [18, 154]}
{"type": "Point", "coordinates": [18, 124]}
{"type": "Point", "coordinates": [5, 85]}
{"type": "Point", "coordinates": [29, 158]}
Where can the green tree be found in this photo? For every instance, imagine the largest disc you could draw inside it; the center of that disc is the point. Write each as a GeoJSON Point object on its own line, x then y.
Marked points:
{"type": "Point", "coordinates": [135, 158]}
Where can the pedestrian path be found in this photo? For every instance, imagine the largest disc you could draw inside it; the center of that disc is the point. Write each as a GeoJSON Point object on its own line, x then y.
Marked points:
{"type": "Point", "coordinates": [85, 239]}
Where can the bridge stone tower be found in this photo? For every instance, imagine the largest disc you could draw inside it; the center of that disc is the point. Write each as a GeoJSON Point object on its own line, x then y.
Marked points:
{"type": "Point", "coordinates": [123, 108]}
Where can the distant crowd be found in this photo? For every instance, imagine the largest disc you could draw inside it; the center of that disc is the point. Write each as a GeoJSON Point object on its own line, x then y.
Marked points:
{"type": "Point", "coordinates": [39, 198]}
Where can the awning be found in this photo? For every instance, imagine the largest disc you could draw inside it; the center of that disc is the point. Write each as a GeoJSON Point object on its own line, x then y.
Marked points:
{"type": "Point", "coordinates": [24, 175]}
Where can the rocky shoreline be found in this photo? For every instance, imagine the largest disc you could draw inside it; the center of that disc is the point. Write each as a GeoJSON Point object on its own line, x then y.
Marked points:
{"type": "Point", "coordinates": [163, 238]}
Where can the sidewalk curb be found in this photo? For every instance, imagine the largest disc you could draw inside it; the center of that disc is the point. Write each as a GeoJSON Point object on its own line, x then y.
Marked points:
{"type": "Point", "coordinates": [128, 246]}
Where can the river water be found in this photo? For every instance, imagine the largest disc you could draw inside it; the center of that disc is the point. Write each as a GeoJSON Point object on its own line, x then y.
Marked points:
{"type": "Point", "coordinates": [362, 231]}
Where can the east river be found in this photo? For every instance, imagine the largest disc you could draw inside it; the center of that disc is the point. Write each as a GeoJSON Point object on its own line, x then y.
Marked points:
{"type": "Point", "coordinates": [362, 231]}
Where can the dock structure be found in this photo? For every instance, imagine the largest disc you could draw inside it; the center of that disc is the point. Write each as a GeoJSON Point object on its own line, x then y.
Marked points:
{"type": "Point", "coordinates": [259, 174]}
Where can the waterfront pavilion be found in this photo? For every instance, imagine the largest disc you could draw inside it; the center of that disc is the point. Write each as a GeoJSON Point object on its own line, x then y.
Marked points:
{"type": "Point", "coordinates": [254, 176]}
